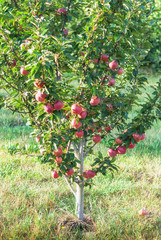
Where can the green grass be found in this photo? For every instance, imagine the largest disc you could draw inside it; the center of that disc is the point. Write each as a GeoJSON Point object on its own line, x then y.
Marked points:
{"type": "Point", "coordinates": [32, 203]}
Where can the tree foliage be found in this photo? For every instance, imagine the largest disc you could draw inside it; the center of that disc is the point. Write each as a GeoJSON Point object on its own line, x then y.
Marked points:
{"type": "Point", "coordinates": [153, 58]}
{"type": "Point", "coordinates": [61, 44]}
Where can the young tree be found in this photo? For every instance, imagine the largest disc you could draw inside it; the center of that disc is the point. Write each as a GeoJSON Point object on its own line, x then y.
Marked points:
{"type": "Point", "coordinates": [72, 67]}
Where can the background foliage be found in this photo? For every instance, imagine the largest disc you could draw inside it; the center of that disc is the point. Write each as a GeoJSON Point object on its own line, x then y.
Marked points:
{"type": "Point", "coordinates": [153, 59]}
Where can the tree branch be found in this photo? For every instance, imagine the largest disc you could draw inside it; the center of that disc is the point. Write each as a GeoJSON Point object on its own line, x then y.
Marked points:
{"type": "Point", "coordinates": [76, 151]}
{"type": "Point", "coordinates": [90, 149]}
{"type": "Point", "coordinates": [15, 2]}
{"type": "Point", "coordinates": [17, 110]}
{"type": "Point", "coordinates": [69, 4]}
{"type": "Point", "coordinates": [9, 83]}
{"type": "Point", "coordinates": [20, 59]}
{"type": "Point", "coordinates": [70, 186]}
{"type": "Point", "coordinates": [68, 146]}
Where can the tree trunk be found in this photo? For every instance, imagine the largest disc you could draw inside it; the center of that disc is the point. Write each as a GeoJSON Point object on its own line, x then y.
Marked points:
{"type": "Point", "coordinates": [79, 201]}
{"type": "Point", "coordinates": [80, 186]}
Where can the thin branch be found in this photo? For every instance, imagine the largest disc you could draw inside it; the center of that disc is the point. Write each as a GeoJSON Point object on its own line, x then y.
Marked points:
{"type": "Point", "coordinates": [9, 83]}
{"type": "Point", "coordinates": [15, 2]}
{"type": "Point", "coordinates": [6, 60]}
{"type": "Point", "coordinates": [68, 146]}
{"type": "Point", "coordinates": [76, 151]}
{"type": "Point", "coordinates": [90, 149]}
{"type": "Point", "coordinates": [70, 186]}
{"type": "Point", "coordinates": [69, 4]}
{"type": "Point", "coordinates": [17, 110]}
{"type": "Point", "coordinates": [20, 59]}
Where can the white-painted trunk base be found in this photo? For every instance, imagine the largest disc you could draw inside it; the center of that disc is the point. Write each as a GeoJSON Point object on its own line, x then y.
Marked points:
{"type": "Point", "coordinates": [80, 201]}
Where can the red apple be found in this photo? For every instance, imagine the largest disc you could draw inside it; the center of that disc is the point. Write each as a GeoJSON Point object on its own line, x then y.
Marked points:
{"type": "Point", "coordinates": [58, 160]}
{"type": "Point", "coordinates": [88, 174]}
{"type": "Point", "coordinates": [67, 115]}
{"type": "Point", "coordinates": [48, 108]}
{"type": "Point", "coordinates": [113, 65]}
{"type": "Point", "coordinates": [121, 149]}
{"type": "Point", "coordinates": [40, 97]}
{"type": "Point", "coordinates": [108, 128]}
{"type": "Point", "coordinates": [96, 139]}
{"type": "Point", "coordinates": [120, 71]}
{"type": "Point", "coordinates": [38, 83]}
{"type": "Point", "coordinates": [119, 141]}
{"type": "Point", "coordinates": [85, 174]}
{"type": "Point", "coordinates": [20, 27]}
{"type": "Point", "coordinates": [70, 172]}
{"type": "Point", "coordinates": [111, 82]}
{"type": "Point", "coordinates": [78, 125]}
{"type": "Point", "coordinates": [62, 10]}
{"type": "Point", "coordinates": [90, 128]}
{"type": "Point", "coordinates": [142, 212]}
{"type": "Point", "coordinates": [58, 105]}
{"type": "Point", "coordinates": [91, 174]}
{"type": "Point", "coordinates": [54, 174]}
{"type": "Point", "coordinates": [13, 63]}
{"type": "Point", "coordinates": [142, 136]}
{"type": "Point", "coordinates": [109, 106]}
{"type": "Point", "coordinates": [65, 32]}
{"type": "Point", "coordinates": [83, 114]}
{"type": "Point", "coordinates": [132, 145]}
{"type": "Point", "coordinates": [76, 109]}
{"type": "Point", "coordinates": [94, 100]}
{"type": "Point", "coordinates": [99, 130]}
{"type": "Point", "coordinates": [58, 153]}
{"type": "Point", "coordinates": [28, 41]}
{"type": "Point", "coordinates": [95, 60]}
{"type": "Point", "coordinates": [79, 134]}
{"type": "Point", "coordinates": [75, 124]}
{"type": "Point", "coordinates": [37, 139]}
{"type": "Point", "coordinates": [104, 58]}
{"type": "Point", "coordinates": [112, 152]}
{"type": "Point", "coordinates": [136, 137]}
{"type": "Point", "coordinates": [23, 71]}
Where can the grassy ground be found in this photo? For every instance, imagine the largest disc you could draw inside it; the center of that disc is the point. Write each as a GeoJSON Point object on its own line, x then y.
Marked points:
{"type": "Point", "coordinates": [32, 203]}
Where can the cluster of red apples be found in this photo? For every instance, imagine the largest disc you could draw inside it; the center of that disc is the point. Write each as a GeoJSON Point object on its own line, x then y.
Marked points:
{"type": "Point", "coordinates": [79, 111]}
{"type": "Point", "coordinates": [58, 160]}
{"type": "Point", "coordinates": [86, 174]}
{"type": "Point", "coordinates": [113, 65]}
{"type": "Point", "coordinates": [41, 97]}
{"type": "Point", "coordinates": [122, 149]}
{"type": "Point", "coordinates": [63, 12]}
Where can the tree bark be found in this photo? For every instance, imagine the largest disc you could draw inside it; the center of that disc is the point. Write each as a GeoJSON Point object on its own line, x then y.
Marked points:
{"type": "Point", "coordinates": [79, 201]}
{"type": "Point", "coordinates": [80, 186]}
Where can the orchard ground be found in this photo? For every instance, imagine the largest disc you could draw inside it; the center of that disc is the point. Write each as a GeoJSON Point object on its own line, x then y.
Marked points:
{"type": "Point", "coordinates": [32, 202]}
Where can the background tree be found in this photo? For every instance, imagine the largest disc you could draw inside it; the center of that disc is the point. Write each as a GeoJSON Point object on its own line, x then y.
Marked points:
{"type": "Point", "coordinates": [72, 67]}
{"type": "Point", "coordinates": [153, 58]}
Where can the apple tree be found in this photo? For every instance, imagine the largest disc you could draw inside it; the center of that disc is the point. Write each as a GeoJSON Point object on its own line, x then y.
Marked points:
{"type": "Point", "coordinates": [72, 68]}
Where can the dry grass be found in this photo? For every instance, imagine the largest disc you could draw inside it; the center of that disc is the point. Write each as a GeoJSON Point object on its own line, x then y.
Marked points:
{"type": "Point", "coordinates": [33, 205]}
